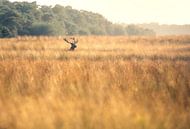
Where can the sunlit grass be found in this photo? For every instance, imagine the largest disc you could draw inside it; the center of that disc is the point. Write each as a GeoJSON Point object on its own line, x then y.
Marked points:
{"type": "Point", "coordinates": [107, 83]}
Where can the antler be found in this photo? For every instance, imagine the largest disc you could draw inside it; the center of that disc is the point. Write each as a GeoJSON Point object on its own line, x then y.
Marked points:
{"type": "Point", "coordinates": [75, 41]}
{"type": "Point", "coordinates": [67, 41]}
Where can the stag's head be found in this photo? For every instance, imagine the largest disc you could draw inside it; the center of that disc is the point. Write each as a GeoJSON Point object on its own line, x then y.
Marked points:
{"type": "Point", "coordinates": [71, 40]}
{"type": "Point", "coordinates": [75, 41]}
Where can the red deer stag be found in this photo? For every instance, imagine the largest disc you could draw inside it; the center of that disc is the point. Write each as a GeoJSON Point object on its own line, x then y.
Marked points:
{"type": "Point", "coordinates": [72, 42]}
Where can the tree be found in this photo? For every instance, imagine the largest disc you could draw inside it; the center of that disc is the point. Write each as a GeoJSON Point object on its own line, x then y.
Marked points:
{"type": "Point", "coordinates": [9, 21]}
{"type": "Point", "coordinates": [71, 28]}
{"type": "Point", "coordinates": [29, 15]}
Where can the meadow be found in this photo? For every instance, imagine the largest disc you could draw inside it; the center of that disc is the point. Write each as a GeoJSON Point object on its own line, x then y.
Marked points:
{"type": "Point", "coordinates": [106, 83]}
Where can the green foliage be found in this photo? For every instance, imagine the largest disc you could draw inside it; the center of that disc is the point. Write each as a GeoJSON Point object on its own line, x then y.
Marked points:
{"type": "Point", "coordinates": [5, 32]}
{"type": "Point", "coordinates": [42, 29]}
{"type": "Point", "coordinates": [9, 21]}
{"type": "Point", "coordinates": [83, 31]}
{"type": "Point", "coordinates": [24, 18]}
{"type": "Point", "coordinates": [71, 28]}
{"type": "Point", "coordinates": [29, 14]}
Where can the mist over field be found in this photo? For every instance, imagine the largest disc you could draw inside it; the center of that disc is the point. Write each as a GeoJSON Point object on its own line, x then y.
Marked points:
{"type": "Point", "coordinates": [67, 68]}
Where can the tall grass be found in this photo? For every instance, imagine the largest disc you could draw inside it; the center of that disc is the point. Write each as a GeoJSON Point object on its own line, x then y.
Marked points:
{"type": "Point", "coordinates": [107, 83]}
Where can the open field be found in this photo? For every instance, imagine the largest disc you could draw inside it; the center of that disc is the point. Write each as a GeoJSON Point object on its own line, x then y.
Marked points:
{"type": "Point", "coordinates": [107, 83]}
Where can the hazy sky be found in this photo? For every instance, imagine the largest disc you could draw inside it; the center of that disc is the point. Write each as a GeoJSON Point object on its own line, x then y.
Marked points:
{"type": "Point", "coordinates": [132, 11]}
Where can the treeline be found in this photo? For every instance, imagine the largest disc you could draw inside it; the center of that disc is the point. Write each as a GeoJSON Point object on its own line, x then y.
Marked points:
{"type": "Point", "coordinates": [24, 18]}
{"type": "Point", "coordinates": [167, 29]}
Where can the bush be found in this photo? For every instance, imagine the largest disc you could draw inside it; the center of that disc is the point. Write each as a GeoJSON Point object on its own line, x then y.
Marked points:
{"type": "Point", "coordinates": [5, 32]}
{"type": "Point", "coordinates": [42, 29]}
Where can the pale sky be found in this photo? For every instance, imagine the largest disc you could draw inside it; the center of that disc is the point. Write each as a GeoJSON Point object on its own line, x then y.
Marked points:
{"type": "Point", "coordinates": [132, 11]}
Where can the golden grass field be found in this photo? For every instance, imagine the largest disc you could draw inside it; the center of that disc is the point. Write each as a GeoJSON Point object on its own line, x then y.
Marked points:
{"type": "Point", "coordinates": [107, 83]}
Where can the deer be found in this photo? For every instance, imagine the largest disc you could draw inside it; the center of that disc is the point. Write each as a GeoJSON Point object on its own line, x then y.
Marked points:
{"type": "Point", "coordinates": [72, 41]}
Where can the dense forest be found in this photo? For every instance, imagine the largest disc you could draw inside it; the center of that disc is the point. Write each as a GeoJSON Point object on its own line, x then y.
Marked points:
{"type": "Point", "coordinates": [24, 18]}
